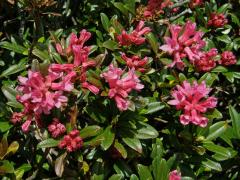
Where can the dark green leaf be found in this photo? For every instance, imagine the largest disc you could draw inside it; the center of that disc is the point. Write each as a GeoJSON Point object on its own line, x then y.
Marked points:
{"type": "Point", "coordinates": [144, 172]}
{"type": "Point", "coordinates": [105, 21]}
{"type": "Point", "coordinates": [90, 131]}
{"type": "Point", "coordinates": [48, 143]}
{"type": "Point", "coordinates": [235, 121]}
{"type": "Point", "coordinates": [212, 165]}
{"type": "Point", "coordinates": [108, 138]}
{"type": "Point", "coordinates": [133, 143]}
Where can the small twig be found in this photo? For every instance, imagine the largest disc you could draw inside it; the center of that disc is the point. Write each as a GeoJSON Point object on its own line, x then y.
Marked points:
{"type": "Point", "coordinates": [180, 14]}
{"type": "Point", "coordinates": [180, 3]}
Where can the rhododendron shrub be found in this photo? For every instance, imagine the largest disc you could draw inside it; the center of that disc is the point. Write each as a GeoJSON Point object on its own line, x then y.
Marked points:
{"type": "Point", "coordinates": [120, 89]}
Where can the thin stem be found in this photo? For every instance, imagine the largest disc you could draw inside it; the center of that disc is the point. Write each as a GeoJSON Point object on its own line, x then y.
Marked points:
{"type": "Point", "coordinates": [180, 3]}
{"type": "Point", "coordinates": [181, 14]}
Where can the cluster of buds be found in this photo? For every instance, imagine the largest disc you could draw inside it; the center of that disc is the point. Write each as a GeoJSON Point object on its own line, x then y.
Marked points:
{"type": "Point", "coordinates": [217, 20]}
{"type": "Point", "coordinates": [71, 142]}
{"type": "Point", "coordinates": [135, 62]}
{"type": "Point", "coordinates": [56, 128]}
{"type": "Point", "coordinates": [227, 58]}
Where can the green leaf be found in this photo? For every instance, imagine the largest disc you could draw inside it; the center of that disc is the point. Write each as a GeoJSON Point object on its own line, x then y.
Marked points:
{"type": "Point", "coordinates": [157, 149]}
{"type": "Point", "coordinates": [121, 149]}
{"type": "Point", "coordinates": [90, 131]}
{"type": "Point", "coordinates": [221, 152]}
{"type": "Point", "coordinates": [116, 177]}
{"type": "Point", "coordinates": [224, 8]}
{"type": "Point", "coordinates": [105, 21]}
{"type": "Point", "coordinates": [13, 69]}
{"type": "Point", "coordinates": [12, 148]}
{"type": "Point", "coordinates": [5, 126]}
{"type": "Point", "coordinates": [121, 7]}
{"type": "Point", "coordinates": [145, 131]}
{"type": "Point", "coordinates": [42, 54]}
{"type": "Point", "coordinates": [144, 172]}
{"type": "Point", "coordinates": [108, 138]}
{"type": "Point", "coordinates": [9, 93]}
{"type": "Point", "coordinates": [217, 130]}
{"type": "Point", "coordinates": [153, 107]}
{"type": "Point", "coordinates": [235, 121]}
{"type": "Point", "coordinates": [133, 143]}
{"type": "Point", "coordinates": [156, 167]}
{"type": "Point", "coordinates": [229, 76]}
{"type": "Point", "coordinates": [235, 19]}
{"type": "Point", "coordinates": [153, 42]}
{"type": "Point", "coordinates": [13, 47]}
{"type": "Point", "coordinates": [220, 69]}
{"type": "Point", "coordinates": [130, 5]}
{"type": "Point", "coordinates": [212, 165]}
{"type": "Point", "coordinates": [164, 170]}
{"type": "Point", "coordinates": [6, 167]}
{"type": "Point", "coordinates": [224, 38]}
{"type": "Point", "coordinates": [109, 44]}
{"type": "Point", "coordinates": [134, 177]}
{"type": "Point", "coordinates": [48, 143]}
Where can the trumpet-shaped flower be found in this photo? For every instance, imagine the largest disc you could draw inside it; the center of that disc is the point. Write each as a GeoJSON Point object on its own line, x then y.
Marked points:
{"type": "Point", "coordinates": [120, 86]}
{"type": "Point", "coordinates": [174, 175]}
{"type": "Point", "coordinates": [194, 101]}
{"type": "Point", "coordinates": [184, 42]}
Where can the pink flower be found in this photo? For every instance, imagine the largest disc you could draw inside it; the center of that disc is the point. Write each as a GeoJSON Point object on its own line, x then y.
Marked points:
{"type": "Point", "coordinates": [174, 175]}
{"type": "Point", "coordinates": [71, 142]}
{"type": "Point", "coordinates": [184, 42]}
{"type": "Point", "coordinates": [135, 62]}
{"type": "Point", "coordinates": [17, 117]}
{"type": "Point", "coordinates": [80, 51]}
{"type": "Point", "coordinates": [195, 3]}
{"type": "Point", "coordinates": [26, 125]}
{"type": "Point", "coordinates": [56, 128]}
{"type": "Point", "coordinates": [194, 101]}
{"type": "Point", "coordinates": [37, 93]}
{"type": "Point", "coordinates": [156, 7]}
{"type": "Point", "coordinates": [135, 37]}
{"type": "Point", "coordinates": [217, 20]}
{"type": "Point", "coordinates": [228, 58]}
{"type": "Point", "coordinates": [121, 86]}
{"type": "Point", "coordinates": [206, 62]}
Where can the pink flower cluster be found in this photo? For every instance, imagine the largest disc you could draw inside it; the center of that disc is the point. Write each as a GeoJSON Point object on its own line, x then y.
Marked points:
{"type": "Point", "coordinates": [217, 20]}
{"type": "Point", "coordinates": [40, 94]}
{"type": "Point", "coordinates": [71, 142]}
{"type": "Point", "coordinates": [135, 37]}
{"type": "Point", "coordinates": [120, 86]}
{"type": "Point", "coordinates": [194, 101]}
{"type": "Point", "coordinates": [228, 58]}
{"type": "Point", "coordinates": [156, 7]}
{"type": "Point", "coordinates": [186, 42]}
{"type": "Point", "coordinates": [56, 128]}
{"type": "Point", "coordinates": [206, 62]}
{"type": "Point", "coordinates": [174, 175]}
{"type": "Point", "coordinates": [135, 62]}
{"type": "Point", "coordinates": [80, 53]}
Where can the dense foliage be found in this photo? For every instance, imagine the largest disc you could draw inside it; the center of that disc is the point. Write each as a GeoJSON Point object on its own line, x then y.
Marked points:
{"type": "Point", "coordinates": [120, 89]}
